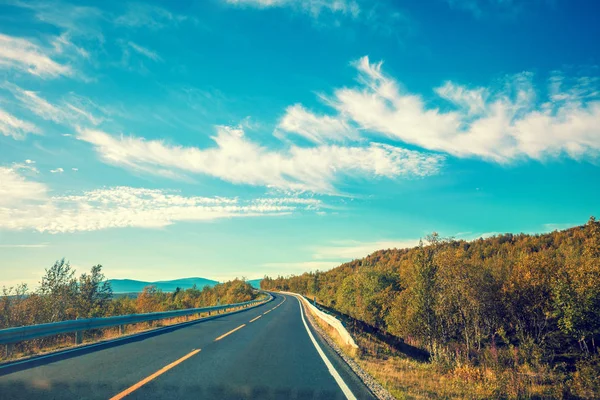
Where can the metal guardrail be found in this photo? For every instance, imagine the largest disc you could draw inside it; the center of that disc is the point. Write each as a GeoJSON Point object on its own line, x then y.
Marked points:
{"type": "Point", "coordinates": [18, 334]}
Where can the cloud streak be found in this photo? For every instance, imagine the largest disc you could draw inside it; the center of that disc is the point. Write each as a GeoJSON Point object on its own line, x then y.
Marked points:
{"type": "Point", "coordinates": [15, 127]}
{"type": "Point", "coordinates": [238, 160]}
{"type": "Point", "coordinates": [24, 55]}
{"type": "Point", "coordinates": [71, 111]}
{"type": "Point", "coordinates": [145, 52]}
{"type": "Point", "coordinates": [312, 7]}
{"type": "Point", "coordinates": [26, 205]}
{"type": "Point", "coordinates": [140, 15]}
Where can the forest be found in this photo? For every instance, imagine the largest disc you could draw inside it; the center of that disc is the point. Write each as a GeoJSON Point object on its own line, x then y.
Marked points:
{"type": "Point", "coordinates": [525, 303]}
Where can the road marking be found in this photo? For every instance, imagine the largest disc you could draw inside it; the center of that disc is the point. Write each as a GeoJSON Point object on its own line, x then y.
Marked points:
{"type": "Point", "coordinates": [230, 332]}
{"type": "Point", "coordinates": [252, 320]}
{"type": "Point", "coordinates": [161, 371]}
{"type": "Point", "coordinates": [345, 389]}
{"type": "Point", "coordinates": [266, 312]}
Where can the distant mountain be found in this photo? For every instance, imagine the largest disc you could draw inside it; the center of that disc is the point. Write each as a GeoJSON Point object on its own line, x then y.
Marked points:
{"type": "Point", "coordinates": [133, 286]}
{"type": "Point", "coordinates": [255, 283]}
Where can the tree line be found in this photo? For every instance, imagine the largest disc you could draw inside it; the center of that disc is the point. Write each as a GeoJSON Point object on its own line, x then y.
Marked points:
{"type": "Point", "coordinates": [536, 296]}
{"type": "Point", "coordinates": [64, 296]}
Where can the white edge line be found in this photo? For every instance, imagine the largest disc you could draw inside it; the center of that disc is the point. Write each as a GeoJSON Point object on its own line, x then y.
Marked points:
{"type": "Point", "coordinates": [347, 392]}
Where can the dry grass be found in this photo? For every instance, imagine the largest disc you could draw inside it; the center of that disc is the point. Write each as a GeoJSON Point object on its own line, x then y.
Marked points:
{"type": "Point", "coordinates": [407, 378]}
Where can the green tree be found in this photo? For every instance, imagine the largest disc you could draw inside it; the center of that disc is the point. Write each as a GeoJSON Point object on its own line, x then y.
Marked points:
{"type": "Point", "coordinates": [58, 289]}
{"type": "Point", "coordinates": [94, 294]}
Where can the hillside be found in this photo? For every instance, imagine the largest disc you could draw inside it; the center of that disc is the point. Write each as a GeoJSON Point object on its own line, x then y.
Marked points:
{"type": "Point", "coordinates": [135, 286]}
{"type": "Point", "coordinates": [509, 305]}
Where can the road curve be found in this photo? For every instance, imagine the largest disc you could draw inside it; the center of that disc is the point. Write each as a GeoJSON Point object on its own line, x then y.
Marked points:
{"type": "Point", "coordinates": [262, 353]}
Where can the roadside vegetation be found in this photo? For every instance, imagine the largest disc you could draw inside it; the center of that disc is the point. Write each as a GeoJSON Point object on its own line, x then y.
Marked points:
{"type": "Point", "coordinates": [62, 296]}
{"type": "Point", "coordinates": [511, 316]}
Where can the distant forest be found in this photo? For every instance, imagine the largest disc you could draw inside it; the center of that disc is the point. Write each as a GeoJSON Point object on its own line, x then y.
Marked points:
{"type": "Point", "coordinates": [511, 301]}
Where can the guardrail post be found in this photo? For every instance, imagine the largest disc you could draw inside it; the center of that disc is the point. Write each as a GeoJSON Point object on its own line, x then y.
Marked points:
{"type": "Point", "coordinates": [9, 349]}
{"type": "Point", "coordinates": [78, 337]}
{"type": "Point", "coordinates": [121, 329]}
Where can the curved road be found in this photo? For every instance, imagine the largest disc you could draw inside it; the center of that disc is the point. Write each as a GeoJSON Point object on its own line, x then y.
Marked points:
{"type": "Point", "coordinates": [262, 353]}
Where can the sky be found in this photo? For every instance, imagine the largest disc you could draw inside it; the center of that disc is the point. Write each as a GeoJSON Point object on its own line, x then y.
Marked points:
{"type": "Point", "coordinates": [238, 138]}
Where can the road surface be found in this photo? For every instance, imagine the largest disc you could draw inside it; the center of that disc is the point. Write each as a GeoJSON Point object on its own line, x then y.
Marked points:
{"type": "Point", "coordinates": [261, 353]}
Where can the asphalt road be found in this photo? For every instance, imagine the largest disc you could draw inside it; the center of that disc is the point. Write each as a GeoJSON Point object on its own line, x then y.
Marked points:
{"type": "Point", "coordinates": [261, 353]}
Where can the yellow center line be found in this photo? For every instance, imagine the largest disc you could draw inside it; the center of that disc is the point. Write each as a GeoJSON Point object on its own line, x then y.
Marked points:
{"type": "Point", "coordinates": [154, 375]}
{"type": "Point", "coordinates": [230, 332]}
{"type": "Point", "coordinates": [252, 320]}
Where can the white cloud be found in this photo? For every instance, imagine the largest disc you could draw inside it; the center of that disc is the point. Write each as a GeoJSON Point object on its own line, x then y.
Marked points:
{"type": "Point", "coordinates": [313, 7]}
{"type": "Point", "coordinates": [16, 189]}
{"type": "Point", "coordinates": [309, 203]}
{"type": "Point", "coordinates": [57, 170]}
{"type": "Point", "coordinates": [74, 169]}
{"type": "Point", "coordinates": [29, 162]}
{"type": "Point", "coordinates": [351, 249]}
{"type": "Point", "coordinates": [26, 205]}
{"type": "Point", "coordinates": [15, 127]}
{"type": "Point", "coordinates": [472, 101]}
{"type": "Point", "coordinates": [318, 129]}
{"type": "Point", "coordinates": [63, 45]}
{"type": "Point", "coordinates": [502, 125]}
{"type": "Point", "coordinates": [145, 52]}
{"type": "Point", "coordinates": [238, 160]}
{"type": "Point", "coordinates": [71, 111]}
{"type": "Point", "coordinates": [21, 54]}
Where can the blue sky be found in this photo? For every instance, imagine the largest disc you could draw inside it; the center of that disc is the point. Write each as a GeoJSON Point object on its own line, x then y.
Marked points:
{"type": "Point", "coordinates": [228, 138]}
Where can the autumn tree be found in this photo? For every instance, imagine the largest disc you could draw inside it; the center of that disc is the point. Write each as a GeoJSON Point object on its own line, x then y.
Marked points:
{"type": "Point", "coordinates": [94, 293]}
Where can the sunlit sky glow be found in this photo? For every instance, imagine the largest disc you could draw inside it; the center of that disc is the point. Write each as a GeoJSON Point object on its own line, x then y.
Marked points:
{"type": "Point", "coordinates": [230, 138]}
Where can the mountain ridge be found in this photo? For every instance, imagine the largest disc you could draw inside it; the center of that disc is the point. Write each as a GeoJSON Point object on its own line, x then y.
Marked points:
{"type": "Point", "coordinates": [136, 286]}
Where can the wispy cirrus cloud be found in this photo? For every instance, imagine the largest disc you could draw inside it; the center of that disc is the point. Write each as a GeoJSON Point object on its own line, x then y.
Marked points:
{"type": "Point", "coordinates": [238, 160]}
{"type": "Point", "coordinates": [379, 16]}
{"type": "Point", "coordinates": [73, 19]}
{"type": "Point", "coordinates": [313, 7]}
{"type": "Point", "coordinates": [70, 111]}
{"type": "Point", "coordinates": [496, 124]}
{"type": "Point", "coordinates": [15, 127]}
{"type": "Point", "coordinates": [141, 15]}
{"type": "Point", "coordinates": [27, 205]}
{"type": "Point", "coordinates": [24, 55]}
{"type": "Point", "coordinates": [144, 51]}
{"type": "Point", "coordinates": [504, 8]}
